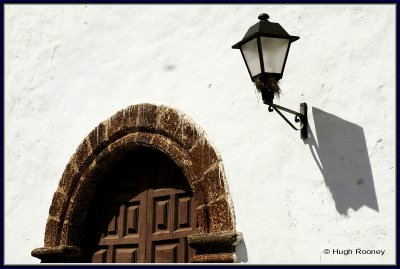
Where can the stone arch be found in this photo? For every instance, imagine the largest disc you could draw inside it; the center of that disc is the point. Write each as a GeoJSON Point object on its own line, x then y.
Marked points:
{"type": "Point", "coordinates": [145, 125]}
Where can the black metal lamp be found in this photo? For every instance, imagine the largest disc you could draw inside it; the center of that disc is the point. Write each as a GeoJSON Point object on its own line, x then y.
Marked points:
{"type": "Point", "coordinates": [265, 48]}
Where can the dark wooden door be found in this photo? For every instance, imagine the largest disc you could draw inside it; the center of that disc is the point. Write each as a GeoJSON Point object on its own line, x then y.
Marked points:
{"type": "Point", "coordinates": [144, 212]}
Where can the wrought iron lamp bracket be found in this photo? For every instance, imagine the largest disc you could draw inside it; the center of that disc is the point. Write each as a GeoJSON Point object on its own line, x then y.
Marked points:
{"type": "Point", "coordinates": [299, 117]}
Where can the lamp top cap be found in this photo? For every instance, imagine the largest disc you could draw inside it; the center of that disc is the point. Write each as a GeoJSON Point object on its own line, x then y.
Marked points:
{"type": "Point", "coordinates": [265, 28]}
{"type": "Point", "coordinates": [263, 17]}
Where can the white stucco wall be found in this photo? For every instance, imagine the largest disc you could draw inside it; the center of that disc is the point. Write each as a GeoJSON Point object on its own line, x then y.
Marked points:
{"type": "Point", "coordinates": [69, 67]}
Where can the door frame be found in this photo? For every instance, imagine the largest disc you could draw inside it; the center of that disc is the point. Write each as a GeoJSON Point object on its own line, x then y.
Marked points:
{"type": "Point", "coordinates": [144, 125]}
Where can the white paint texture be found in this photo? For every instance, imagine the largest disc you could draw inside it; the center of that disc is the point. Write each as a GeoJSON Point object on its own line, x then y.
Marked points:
{"type": "Point", "coordinates": [67, 68]}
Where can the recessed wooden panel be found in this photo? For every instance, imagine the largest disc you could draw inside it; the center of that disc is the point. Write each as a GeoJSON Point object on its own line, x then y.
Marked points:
{"type": "Point", "coordinates": [100, 256]}
{"type": "Point", "coordinates": [183, 207]}
{"type": "Point", "coordinates": [166, 253]}
{"type": "Point", "coordinates": [132, 219]}
{"type": "Point", "coordinates": [113, 222]}
{"type": "Point", "coordinates": [161, 214]}
{"type": "Point", "coordinates": [126, 255]}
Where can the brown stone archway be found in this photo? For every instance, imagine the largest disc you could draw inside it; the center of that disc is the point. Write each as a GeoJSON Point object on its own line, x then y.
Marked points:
{"type": "Point", "coordinates": [169, 131]}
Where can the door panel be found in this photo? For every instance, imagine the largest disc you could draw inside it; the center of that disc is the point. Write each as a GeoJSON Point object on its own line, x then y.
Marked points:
{"type": "Point", "coordinates": [165, 251]}
{"type": "Point", "coordinates": [100, 256]}
{"type": "Point", "coordinates": [144, 212]}
{"type": "Point", "coordinates": [125, 254]}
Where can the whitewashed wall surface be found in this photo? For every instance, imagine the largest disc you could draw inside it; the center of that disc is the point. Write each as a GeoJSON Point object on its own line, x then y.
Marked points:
{"type": "Point", "coordinates": [69, 67]}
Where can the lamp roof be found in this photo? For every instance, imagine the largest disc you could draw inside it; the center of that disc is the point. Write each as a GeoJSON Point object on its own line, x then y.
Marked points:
{"type": "Point", "coordinates": [267, 29]}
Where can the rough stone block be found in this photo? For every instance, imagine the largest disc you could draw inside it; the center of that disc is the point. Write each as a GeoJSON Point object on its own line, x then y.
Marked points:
{"type": "Point", "coordinates": [147, 117]}
{"type": "Point", "coordinates": [203, 156]}
{"type": "Point", "coordinates": [168, 122]}
{"type": "Point", "coordinates": [161, 142]}
{"type": "Point", "coordinates": [203, 216]}
{"type": "Point", "coordinates": [130, 117]}
{"type": "Point", "coordinates": [220, 217]}
{"type": "Point", "coordinates": [69, 179]}
{"type": "Point", "coordinates": [58, 205]}
{"type": "Point", "coordinates": [60, 254]}
{"type": "Point", "coordinates": [52, 233]}
{"type": "Point", "coordinates": [98, 138]}
{"type": "Point", "coordinates": [214, 258]}
{"type": "Point", "coordinates": [83, 154]}
{"type": "Point", "coordinates": [199, 192]}
{"type": "Point", "coordinates": [211, 186]}
{"type": "Point", "coordinates": [115, 125]}
{"type": "Point", "coordinates": [144, 138]}
{"type": "Point", "coordinates": [218, 239]}
{"type": "Point", "coordinates": [72, 235]}
{"type": "Point", "coordinates": [186, 133]}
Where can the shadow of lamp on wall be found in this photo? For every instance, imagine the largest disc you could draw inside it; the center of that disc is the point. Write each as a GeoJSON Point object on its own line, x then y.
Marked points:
{"type": "Point", "coordinates": [340, 151]}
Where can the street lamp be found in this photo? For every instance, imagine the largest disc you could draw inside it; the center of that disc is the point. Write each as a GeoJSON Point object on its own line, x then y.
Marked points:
{"type": "Point", "coordinates": [265, 48]}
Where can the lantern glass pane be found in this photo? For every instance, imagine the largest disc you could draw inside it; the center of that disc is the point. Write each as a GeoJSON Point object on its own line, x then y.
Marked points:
{"type": "Point", "coordinates": [251, 56]}
{"type": "Point", "coordinates": [274, 53]}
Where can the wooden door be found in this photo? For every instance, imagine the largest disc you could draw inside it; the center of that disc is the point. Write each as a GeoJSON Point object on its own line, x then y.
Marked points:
{"type": "Point", "coordinates": [143, 213]}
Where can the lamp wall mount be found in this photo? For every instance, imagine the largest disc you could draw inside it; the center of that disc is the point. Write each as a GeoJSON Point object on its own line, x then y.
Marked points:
{"type": "Point", "coordinates": [299, 117]}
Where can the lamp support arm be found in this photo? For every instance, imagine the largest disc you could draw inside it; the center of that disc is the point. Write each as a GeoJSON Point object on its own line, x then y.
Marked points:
{"type": "Point", "coordinates": [299, 117]}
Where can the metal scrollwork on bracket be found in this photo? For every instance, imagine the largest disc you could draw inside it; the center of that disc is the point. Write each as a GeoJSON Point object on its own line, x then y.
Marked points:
{"type": "Point", "coordinates": [299, 117]}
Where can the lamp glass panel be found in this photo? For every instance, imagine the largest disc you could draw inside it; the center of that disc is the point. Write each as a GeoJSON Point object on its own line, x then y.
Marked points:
{"type": "Point", "coordinates": [251, 56]}
{"type": "Point", "coordinates": [274, 53]}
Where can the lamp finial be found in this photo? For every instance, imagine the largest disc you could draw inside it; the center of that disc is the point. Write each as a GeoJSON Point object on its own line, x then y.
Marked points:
{"type": "Point", "coordinates": [263, 17]}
